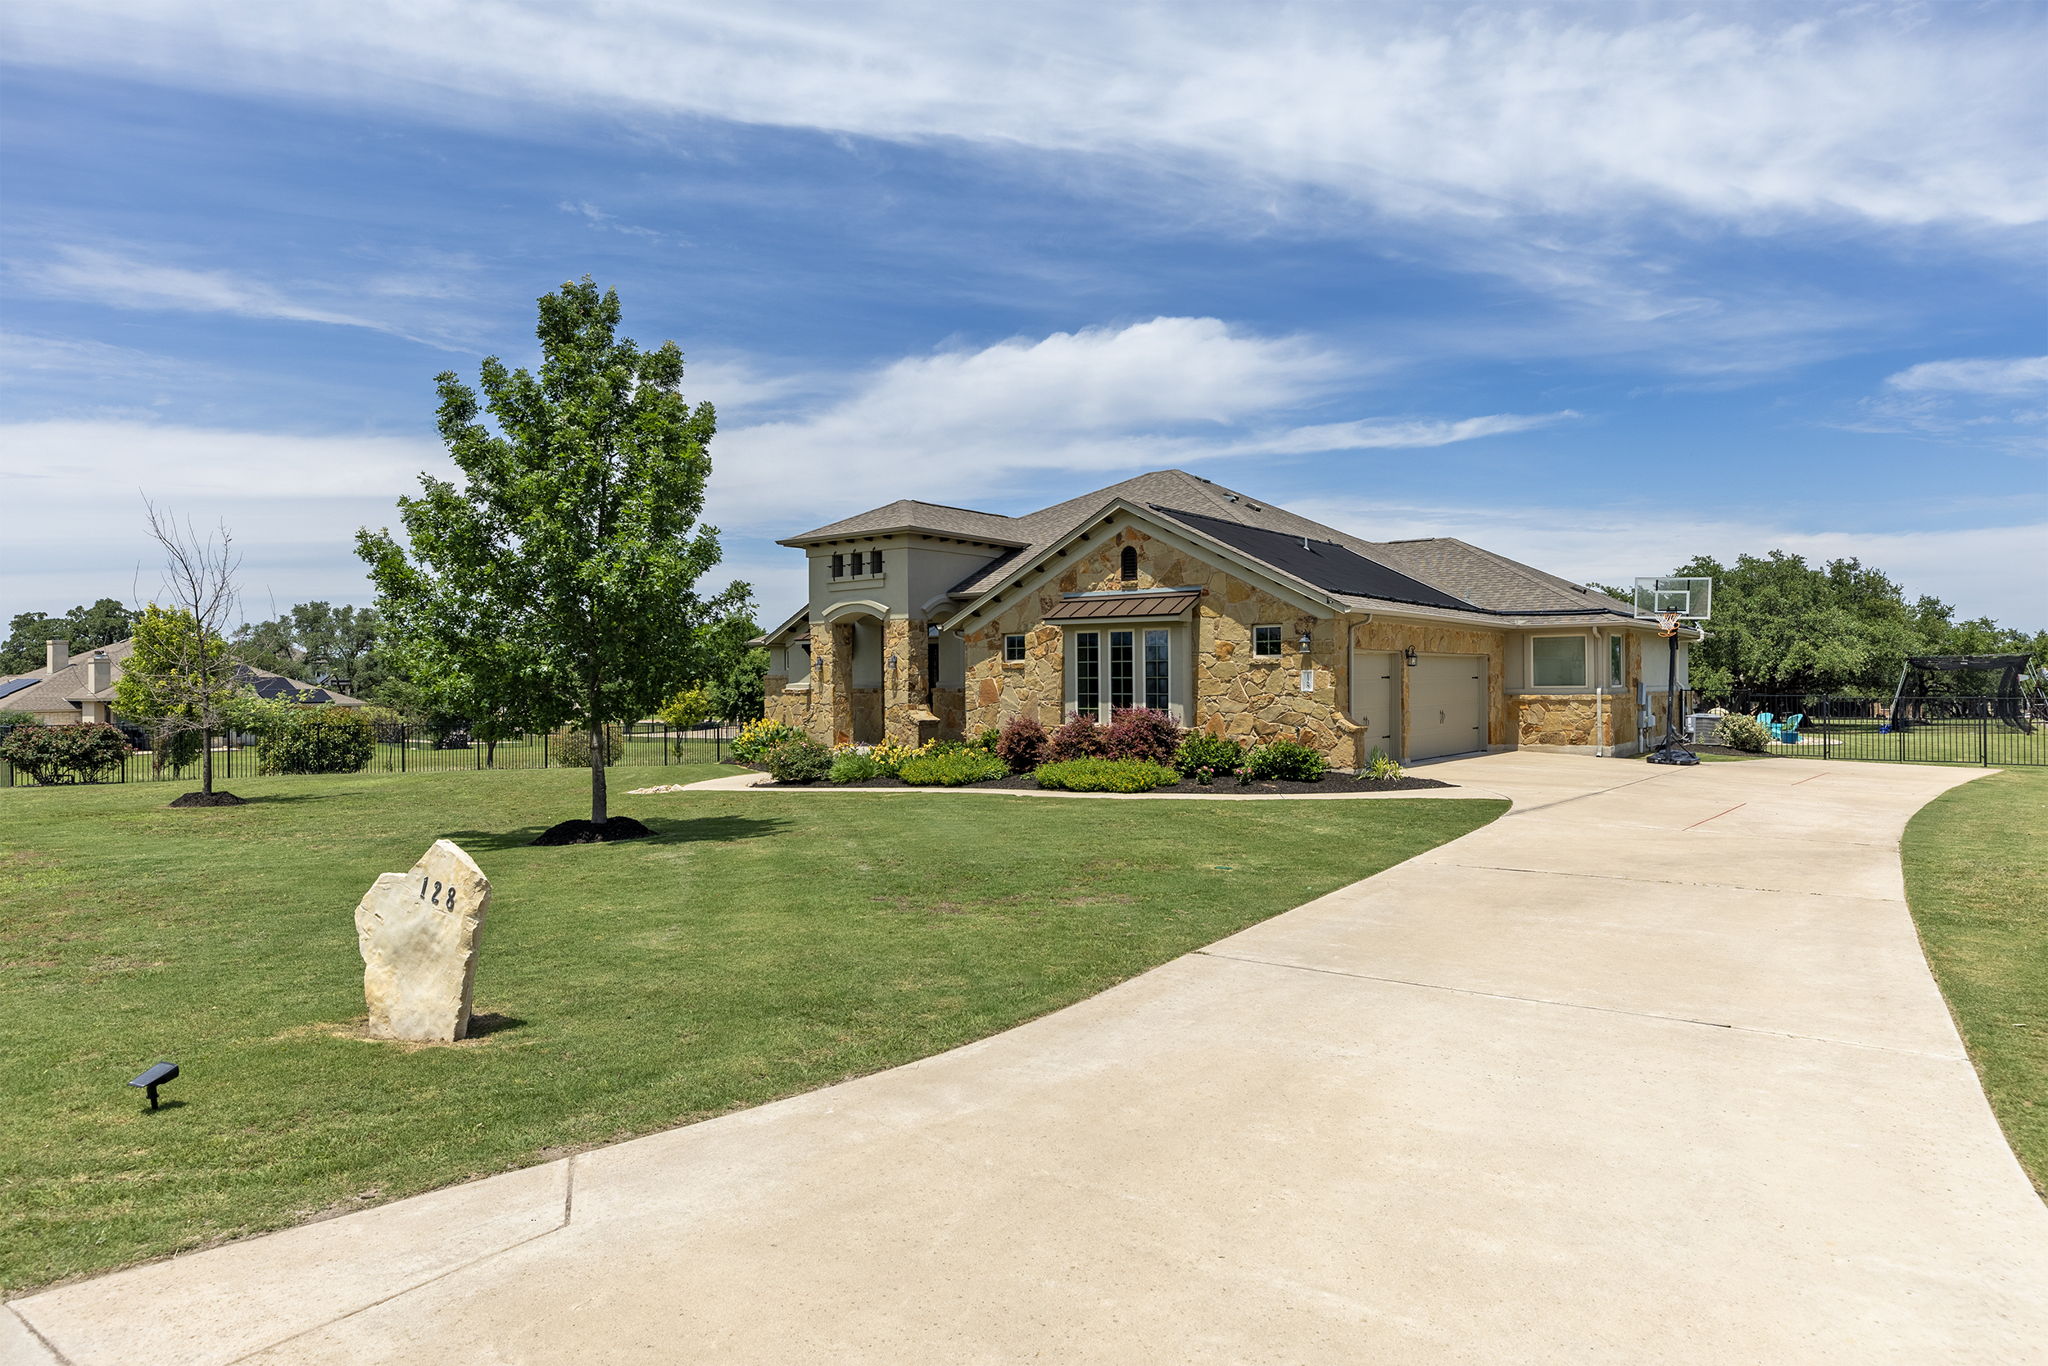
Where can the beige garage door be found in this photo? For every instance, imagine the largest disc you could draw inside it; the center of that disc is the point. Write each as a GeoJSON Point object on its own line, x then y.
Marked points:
{"type": "Point", "coordinates": [1446, 705]}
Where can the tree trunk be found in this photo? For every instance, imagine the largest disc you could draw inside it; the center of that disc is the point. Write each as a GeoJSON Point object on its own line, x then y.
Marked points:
{"type": "Point", "coordinates": [206, 762]}
{"type": "Point", "coordinates": [597, 758]}
{"type": "Point", "coordinates": [490, 754]}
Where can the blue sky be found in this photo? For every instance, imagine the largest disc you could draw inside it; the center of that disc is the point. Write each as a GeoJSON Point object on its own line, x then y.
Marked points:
{"type": "Point", "coordinates": [1598, 286]}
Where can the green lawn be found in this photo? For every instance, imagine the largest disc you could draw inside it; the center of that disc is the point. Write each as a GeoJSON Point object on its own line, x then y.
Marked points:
{"type": "Point", "coordinates": [762, 945]}
{"type": "Point", "coordinates": [1977, 878]}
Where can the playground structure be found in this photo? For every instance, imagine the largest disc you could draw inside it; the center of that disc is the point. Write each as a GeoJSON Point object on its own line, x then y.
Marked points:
{"type": "Point", "coordinates": [1915, 704]}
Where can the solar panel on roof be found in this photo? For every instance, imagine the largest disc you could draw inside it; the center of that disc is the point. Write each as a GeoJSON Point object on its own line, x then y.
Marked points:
{"type": "Point", "coordinates": [15, 685]}
{"type": "Point", "coordinates": [1327, 565]}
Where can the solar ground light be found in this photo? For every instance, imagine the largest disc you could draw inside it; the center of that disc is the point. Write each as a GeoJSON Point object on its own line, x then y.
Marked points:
{"type": "Point", "coordinates": [156, 1075]}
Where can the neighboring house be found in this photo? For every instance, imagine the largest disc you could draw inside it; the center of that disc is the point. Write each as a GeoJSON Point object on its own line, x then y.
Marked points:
{"type": "Point", "coordinates": [1238, 617]}
{"type": "Point", "coordinates": [68, 691]}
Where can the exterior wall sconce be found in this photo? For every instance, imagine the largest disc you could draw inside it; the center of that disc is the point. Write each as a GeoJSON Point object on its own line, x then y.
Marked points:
{"type": "Point", "coordinates": [1409, 655]}
{"type": "Point", "coordinates": [1306, 642]}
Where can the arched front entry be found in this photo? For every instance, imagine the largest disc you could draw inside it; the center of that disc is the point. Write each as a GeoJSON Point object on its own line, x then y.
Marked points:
{"type": "Point", "coordinates": [852, 664]}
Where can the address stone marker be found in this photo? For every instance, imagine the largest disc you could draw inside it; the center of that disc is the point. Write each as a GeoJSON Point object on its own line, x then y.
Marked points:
{"type": "Point", "coordinates": [418, 932]}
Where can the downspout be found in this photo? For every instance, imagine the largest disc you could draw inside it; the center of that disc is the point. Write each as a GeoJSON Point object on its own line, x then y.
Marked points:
{"type": "Point", "coordinates": [1600, 747]}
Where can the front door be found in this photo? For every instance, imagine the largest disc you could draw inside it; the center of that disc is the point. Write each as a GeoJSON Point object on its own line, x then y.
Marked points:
{"type": "Point", "coordinates": [1119, 668]}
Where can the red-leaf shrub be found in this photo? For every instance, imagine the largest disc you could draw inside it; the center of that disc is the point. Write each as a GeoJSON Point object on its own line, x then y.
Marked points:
{"type": "Point", "coordinates": [1080, 738]}
{"type": "Point", "coordinates": [82, 753]}
{"type": "Point", "coordinates": [1022, 745]}
{"type": "Point", "coordinates": [1138, 733]}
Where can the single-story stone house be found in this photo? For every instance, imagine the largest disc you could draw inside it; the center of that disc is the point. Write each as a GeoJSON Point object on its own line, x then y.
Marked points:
{"type": "Point", "coordinates": [1236, 616]}
{"type": "Point", "coordinates": [68, 691]}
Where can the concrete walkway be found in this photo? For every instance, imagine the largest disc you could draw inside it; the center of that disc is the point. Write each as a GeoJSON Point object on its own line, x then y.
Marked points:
{"type": "Point", "coordinates": [1649, 1070]}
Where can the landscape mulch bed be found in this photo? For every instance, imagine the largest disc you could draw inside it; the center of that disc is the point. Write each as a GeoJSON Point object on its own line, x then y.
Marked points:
{"type": "Point", "coordinates": [590, 832]}
{"type": "Point", "coordinates": [208, 799]}
{"type": "Point", "coordinates": [1332, 784]}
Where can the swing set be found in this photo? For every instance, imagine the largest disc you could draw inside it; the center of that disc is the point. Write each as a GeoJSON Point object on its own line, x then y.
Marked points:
{"type": "Point", "coordinates": [1914, 704]}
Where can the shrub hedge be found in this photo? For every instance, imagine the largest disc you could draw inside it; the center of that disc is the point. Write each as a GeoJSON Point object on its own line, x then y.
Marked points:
{"type": "Point", "coordinates": [65, 754]}
{"type": "Point", "coordinates": [954, 768]}
{"type": "Point", "coordinates": [1745, 733]}
{"type": "Point", "coordinates": [851, 766]}
{"type": "Point", "coordinates": [315, 740]}
{"type": "Point", "coordinates": [1080, 738]}
{"type": "Point", "coordinates": [1140, 733]}
{"type": "Point", "coordinates": [1105, 775]}
{"type": "Point", "coordinates": [1205, 757]}
{"type": "Point", "coordinates": [1287, 761]}
{"type": "Point", "coordinates": [797, 759]}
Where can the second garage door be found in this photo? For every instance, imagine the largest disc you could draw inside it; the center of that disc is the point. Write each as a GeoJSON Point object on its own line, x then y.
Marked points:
{"type": "Point", "coordinates": [1446, 705]}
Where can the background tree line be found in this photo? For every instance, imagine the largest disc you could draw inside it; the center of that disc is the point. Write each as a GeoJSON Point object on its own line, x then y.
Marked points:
{"type": "Point", "coordinates": [1781, 625]}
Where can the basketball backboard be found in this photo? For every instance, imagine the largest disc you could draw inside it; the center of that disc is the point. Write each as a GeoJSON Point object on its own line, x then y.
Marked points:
{"type": "Point", "coordinates": [1691, 598]}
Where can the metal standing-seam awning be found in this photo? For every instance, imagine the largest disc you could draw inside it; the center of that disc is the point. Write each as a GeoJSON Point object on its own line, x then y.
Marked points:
{"type": "Point", "coordinates": [1125, 605]}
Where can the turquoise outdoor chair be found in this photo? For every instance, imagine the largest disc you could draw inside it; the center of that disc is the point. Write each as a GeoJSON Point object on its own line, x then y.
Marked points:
{"type": "Point", "coordinates": [1788, 733]}
{"type": "Point", "coordinates": [1768, 720]}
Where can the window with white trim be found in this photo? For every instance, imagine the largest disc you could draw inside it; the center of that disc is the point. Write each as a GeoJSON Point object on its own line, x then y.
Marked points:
{"type": "Point", "coordinates": [1013, 649]}
{"type": "Point", "coordinates": [1266, 642]}
{"type": "Point", "coordinates": [1557, 661]}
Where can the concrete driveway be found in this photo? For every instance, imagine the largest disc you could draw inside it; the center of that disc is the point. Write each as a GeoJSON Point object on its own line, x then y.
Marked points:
{"type": "Point", "coordinates": [1649, 1070]}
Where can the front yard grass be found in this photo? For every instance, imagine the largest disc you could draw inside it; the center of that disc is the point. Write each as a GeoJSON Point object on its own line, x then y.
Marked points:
{"type": "Point", "coordinates": [760, 945]}
{"type": "Point", "coordinates": [1976, 862]}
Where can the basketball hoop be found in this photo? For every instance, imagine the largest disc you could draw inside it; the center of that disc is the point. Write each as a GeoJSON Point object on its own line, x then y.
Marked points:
{"type": "Point", "coordinates": [1669, 600]}
{"type": "Point", "coordinates": [1667, 623]}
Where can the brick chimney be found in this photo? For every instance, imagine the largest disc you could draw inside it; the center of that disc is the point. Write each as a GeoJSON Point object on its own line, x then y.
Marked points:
{"type": "Point", "coordinates": [56, 656]}
{"type": "Point", "coordinates": [99, 672]}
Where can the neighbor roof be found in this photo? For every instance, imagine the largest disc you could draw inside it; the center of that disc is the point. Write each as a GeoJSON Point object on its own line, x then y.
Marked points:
{"type": "Point", "coordinates": [910, 514]}
{"type": "Point", "coordinates": [54, 692]}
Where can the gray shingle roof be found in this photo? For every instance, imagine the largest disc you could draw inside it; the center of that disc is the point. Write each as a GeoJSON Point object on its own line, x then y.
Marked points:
{"type": "Point", "coordinates": [911, 514]}
{"type": "Point", "coordinates": [1491, 583]}
{"type": "Point", "coordinates": [55, 692]}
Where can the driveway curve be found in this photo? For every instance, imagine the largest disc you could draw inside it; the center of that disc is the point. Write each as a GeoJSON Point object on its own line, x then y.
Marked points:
{"type": "Point", "coordinates": [1650, 1069]}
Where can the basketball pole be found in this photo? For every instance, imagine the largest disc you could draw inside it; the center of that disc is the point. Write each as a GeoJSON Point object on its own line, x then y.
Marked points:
{"type": "Point", "coordinates": [1673, 750]}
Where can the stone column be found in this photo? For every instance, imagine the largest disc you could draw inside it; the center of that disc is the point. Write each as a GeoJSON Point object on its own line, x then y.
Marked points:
{"type": "Point", "coordinates": [907, 718]}
{"type": "Point", "coordinates": [832, 682]}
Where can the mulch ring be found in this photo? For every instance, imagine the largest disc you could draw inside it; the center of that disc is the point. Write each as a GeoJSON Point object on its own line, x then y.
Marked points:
{"type": "Point", "coordinates": [1330, 785]}
{"type": "Point", "coordinates": [208, 799]}
{"type": "Point", "coordinates": [589, 832]}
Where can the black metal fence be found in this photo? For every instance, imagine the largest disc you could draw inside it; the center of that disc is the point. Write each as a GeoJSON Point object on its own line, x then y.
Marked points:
{"type": "Point", "coordinates": [419, 749]}
{"type": "Point", "coordinates": [1988, 732]}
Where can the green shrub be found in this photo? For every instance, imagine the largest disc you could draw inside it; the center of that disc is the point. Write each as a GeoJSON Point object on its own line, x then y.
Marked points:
{"type": "Point", "coordinates": [952, 768]}
{"type": "Point", "coordinates": [1105, 775]}
{"type": "Point", "coordinates": [1203, 757]}
{"type": "Point", "coordinates": [1287, 761]}
{"type": "Point", "coordinates": [797, 759]}
{"type": "Point", "coordinates": [65, 754]}
{"type": "Point", "coordinates": [19, 718]}
{"type": "Point", "coordinates": [1380, 764]}
{"type": "Point", "coordinates": [851, 766]}
{"type": "Point", "coordinates": [314, 740]}
{"type": "Point", "coordinates": [1746, 733]}
{"type": "Point", "coordinates": [175, 749]}
{"type": "Point", "coordinates": [987, 741]}
{"type": "Point", "coordinates": [756, 737]}
{"type": "Point", "coordinates": [571, 748]}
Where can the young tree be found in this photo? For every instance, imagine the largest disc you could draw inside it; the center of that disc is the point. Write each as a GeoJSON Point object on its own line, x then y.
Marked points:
{"type": "Point", "coordinates": [180, 677]}
{"type": "Point", "coordinates": [560, 581]}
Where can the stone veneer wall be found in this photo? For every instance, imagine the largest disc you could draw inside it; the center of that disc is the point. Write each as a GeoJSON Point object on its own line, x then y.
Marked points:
{"type": "Point", "coordinates": [1234, 694]}
{"type": "Point", "coordinates": [779, 703]}
{"type": "Point", "coordinates": [1398, 636]}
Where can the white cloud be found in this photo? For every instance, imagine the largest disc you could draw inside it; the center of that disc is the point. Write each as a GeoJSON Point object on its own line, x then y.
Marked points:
{"type": "Point", "coordinates": [2017, 376]}
{"type": "Point", "coordinates": [49, 463]}
{"type": "Point", "coordinates": [120, 280]}
{"type": "Point", "coordinates": [598, 218]}
{"type": "Point", "coordinates": [1740, 114]}
{"type": "Point", "coordinates": [1101, 401]}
